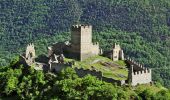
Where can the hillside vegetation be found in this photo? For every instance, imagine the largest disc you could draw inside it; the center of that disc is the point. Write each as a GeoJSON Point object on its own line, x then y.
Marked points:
{"type": "Point", "coordinates": [18, 82]}
{"type": "Point", "coordinates": [140, 26]}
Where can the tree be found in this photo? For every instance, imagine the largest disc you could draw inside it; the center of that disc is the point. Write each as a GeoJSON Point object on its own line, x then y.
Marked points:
{"type": "Point", "coordinates": [67, 73]}
{"type": "Point", "coordinates": [162, 95]}
{"type": "Point", "coordinates": [147, 95]}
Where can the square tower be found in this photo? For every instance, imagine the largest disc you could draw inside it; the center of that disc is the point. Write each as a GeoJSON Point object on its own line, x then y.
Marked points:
{"type": "Point", "coordinates": [81, 42]}
{"type": "Point", "coordinates": [81, 34]}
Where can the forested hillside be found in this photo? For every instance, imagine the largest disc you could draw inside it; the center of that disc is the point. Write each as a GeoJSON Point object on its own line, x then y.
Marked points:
{"type": "Point", "coordinates": [142, 27]}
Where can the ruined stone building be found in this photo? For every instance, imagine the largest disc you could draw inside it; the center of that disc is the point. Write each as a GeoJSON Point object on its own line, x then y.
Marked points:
{"type": "Point", "coordinates": [29, 55]}
{"type": "Point", "coordinates": [29, 58]}
{"type": "Point", "coordinates": [116, 53]}
{"type": "Point", "coordinates": [80, 48]}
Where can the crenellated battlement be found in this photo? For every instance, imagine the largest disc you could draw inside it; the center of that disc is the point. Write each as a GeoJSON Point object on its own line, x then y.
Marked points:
{"type": "Point", "coordinates": [29, 55]}
{"type": "Point", "coordinates": [146, 71]}
{"type": "Point", "coordinates": [31, 45]}
{"type": "Point", "coordinates": [82, 45]}
{"type": "Point", "coordinates": [137, 66]}
{"type": "Point", "coordinates": [116, 46]}
{"type": "Point", "coordinates": [30, 50]}
{"type": "Point", "coordinates": [78, 26]}
{"type": "Point", "coordinates": [138, 74]}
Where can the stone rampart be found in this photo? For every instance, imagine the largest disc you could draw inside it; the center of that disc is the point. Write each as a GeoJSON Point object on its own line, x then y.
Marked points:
{"type": "Point", "coordinates": [82, 72]}
{"type": "Point", "coordinates": [136, 66]}
{"type": "Point", "coordinates": [138, 74]}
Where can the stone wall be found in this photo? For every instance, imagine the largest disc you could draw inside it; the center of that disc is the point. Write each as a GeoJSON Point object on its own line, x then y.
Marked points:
{"type": "Point", "coordinates": [136, 66]}
{"type": "Point", "coordinates": [30, 51]}
{"type": "Point", "coordinates": [95, 49]}
{"type": "Point", "coordinates": [82, 72]}
{"type": "Point", "coordinates": [138, 74]}
{"type": "Point", "coordinates": [115, 54]}
{"type": "Point", "coordinates": [141, 77]}
{"type": "Point", "coordinates": [29, 54]}
{"type": "Point", "coordinates": [110, 80]}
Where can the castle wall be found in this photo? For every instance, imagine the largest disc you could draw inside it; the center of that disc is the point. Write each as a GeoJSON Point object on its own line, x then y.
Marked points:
{"type": "Point", "coordinates": [115, 55]}
{"type": "Point", "coordinates": [81, 73]}
{"type": "Point", "coordinates": [138, 74]}
{"type": "Point", "coordinates": [57, 67]}
{"type": "Point", "coordinates": [110, 80]}
{"type": "Point", "coordinates": [95, 49]}
{"type": "Point", "coordinates": [30, 50]}
{"type": "Point", "coordinates": [121, 55]}
{"type": "Point", "coordinates": [136, 66]}
{"type": "Point", "coordinates": [30, 54]}
{"type": "Point", "coordinates": [141, 77]}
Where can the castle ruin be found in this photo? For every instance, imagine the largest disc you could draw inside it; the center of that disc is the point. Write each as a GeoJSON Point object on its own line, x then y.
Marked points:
{"type": "Point", "coordinates": [29, 56]}
{"type": "Point", "coordinates": [80, 48]}
{"type": "Point", "coordinates": [116, 53]}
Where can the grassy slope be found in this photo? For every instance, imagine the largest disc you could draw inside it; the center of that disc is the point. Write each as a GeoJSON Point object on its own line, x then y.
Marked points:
{"type": "Point", "coordinates": [110, 69]}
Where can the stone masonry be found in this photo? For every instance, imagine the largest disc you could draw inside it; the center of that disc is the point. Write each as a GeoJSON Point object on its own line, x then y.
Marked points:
{"type": "Point", "coordinates": [138, 74]}
{"type": "Point", "coordinates": [115, 54]}
{"type": "Point", "coordinates": [30, 54]}
{"type": "Point", "coordinates": [80, 48]}
{"type": "Point", "coordinates": [81, 42]}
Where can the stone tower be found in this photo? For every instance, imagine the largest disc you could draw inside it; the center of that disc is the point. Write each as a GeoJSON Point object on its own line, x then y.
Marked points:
{"type": "Point", "coordinates": [117, 53]}
{"type": "Point", "coordinates": [81, 42]}
{"type": "Point", "coordinates": [30, 54]}
{"type": "Point", "coordinates": [138, 74]}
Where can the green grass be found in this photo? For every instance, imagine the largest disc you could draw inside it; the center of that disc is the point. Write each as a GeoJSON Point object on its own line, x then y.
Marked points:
{"type": "Point", "coordinates": [116, 70]}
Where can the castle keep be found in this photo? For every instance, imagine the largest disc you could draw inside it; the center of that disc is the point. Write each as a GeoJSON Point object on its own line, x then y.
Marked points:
{"type": "Point", "coordinates": [80, 48]}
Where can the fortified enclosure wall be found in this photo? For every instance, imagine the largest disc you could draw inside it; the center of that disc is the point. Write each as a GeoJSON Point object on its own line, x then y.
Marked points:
{"type": "Point", "coordinates": [141, 77]}
{"type": "Point", "coordinates": [138, 74]}
{"type": "Point", "coordinates": [81, 73]}
{"type": "Point", "coordinates": [82, 47]}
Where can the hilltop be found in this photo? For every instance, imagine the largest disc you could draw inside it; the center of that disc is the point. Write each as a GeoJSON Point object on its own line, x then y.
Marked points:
{"type": "Point", "coordinates": [140, 26]}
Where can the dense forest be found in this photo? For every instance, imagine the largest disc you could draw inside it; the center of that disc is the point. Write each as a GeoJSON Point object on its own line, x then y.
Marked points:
{"type": "Point", "coordinates": [23, 82]}
{"type": "Point", "coordinates": [142, 27]}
